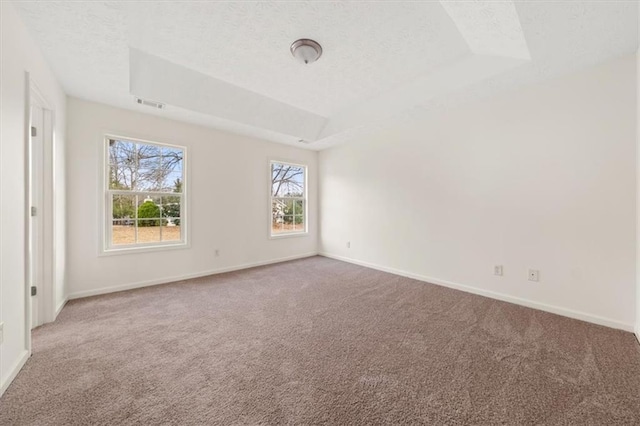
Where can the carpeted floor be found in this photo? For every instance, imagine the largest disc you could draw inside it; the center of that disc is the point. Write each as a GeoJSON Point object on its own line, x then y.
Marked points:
{"type": "Point", "coordinates": [320, 341]}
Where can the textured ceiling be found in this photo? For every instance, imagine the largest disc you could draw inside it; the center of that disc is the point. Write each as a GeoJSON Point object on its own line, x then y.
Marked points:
{"type": "Point", "coordinates": [380, 59]}
{"type": "Point", "coordinates": [366, 49]}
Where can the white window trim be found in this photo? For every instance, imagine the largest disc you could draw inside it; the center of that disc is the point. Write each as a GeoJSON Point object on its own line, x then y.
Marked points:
{"type": "Point", "coordinates": [106, 220]}
{"type": "Point", "coordinates": [291, 234]}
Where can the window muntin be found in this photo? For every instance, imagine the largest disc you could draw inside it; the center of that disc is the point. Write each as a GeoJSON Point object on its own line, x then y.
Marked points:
{"type": "Point", "coordinates": [144, 194]}
{"type": "Point", "coordinates": [288, 199]}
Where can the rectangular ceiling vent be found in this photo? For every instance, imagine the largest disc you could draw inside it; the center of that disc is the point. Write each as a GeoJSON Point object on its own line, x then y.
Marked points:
{"type": "Point", "coordinates": [152, 104]}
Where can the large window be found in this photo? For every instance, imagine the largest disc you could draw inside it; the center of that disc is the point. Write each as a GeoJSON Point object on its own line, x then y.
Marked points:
{"type": "Point", "coordinates": [288, 199]}
{"type": "Point", "coordinates": [144, 194]}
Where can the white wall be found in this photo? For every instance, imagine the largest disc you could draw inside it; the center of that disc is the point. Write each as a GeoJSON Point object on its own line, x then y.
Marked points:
{"type": "Point", "coordinates": [228, 179]}
{"type": "Point", "coordinates": [637, 325]}
{"type": "Point", "coordinates": [20, 54]}
{"type": "Point", "coordinates": [541, 178]}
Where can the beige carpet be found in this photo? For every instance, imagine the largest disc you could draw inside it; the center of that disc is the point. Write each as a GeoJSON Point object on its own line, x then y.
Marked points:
{"type": "Point", "coordinates": [320, 341]}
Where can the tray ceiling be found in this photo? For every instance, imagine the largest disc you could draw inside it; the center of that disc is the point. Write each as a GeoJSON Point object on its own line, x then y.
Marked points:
{"type": "Point", "coordinates": [228, 65]}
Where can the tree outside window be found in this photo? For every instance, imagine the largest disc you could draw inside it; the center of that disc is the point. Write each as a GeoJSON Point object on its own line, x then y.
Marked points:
{"type": "Point", "coordinates": [288, 198]}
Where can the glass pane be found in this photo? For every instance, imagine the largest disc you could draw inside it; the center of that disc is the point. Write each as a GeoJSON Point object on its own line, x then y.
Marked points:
{"type": "Point", "coordinates": [298, 207]}
{"type": "Point", "coordinates": [287, 223]}
{"type": "Point", "coordinates": [172, 163]}
{"type": "Point", "coordinates": [122, 164]}
{"type": "Point", "coordinates": [172, 182]}
{"type": "Point", "coordinates": [287, 180]}
{"type": "Point", "coordinates": [149, 156]}
{"type": "Point", "coordinates": [276, 226]}
{"type": "Point", "coordinates": [171, 232]}
{"type": "Point", "coordinates": [149, 176]}
{"type": "Point", "coordinates": [288, 206]}
{"type": "Point", "coordinates": [298, 223]}
{"type": "Point", "coordinates": [120, 177]}
{"type": "Point", "coordinates": [171, 209]}
{"type": "Point", "coordinates": [171, 218]}
{"type": "Point", "coordinates": [278, 208]}
{"type": "Point", "coordinates": [121, 152]}
{"type": "Point", "coordinates": [123, 207]}
{"type": "Point", "coordinates": [149, 211]}
{"type": "Point", "coordinates": [123, 232]}
{"type": "Point", "coordinates": [149, 180]}
{"type": "Point", "coordinates": [148, 230]}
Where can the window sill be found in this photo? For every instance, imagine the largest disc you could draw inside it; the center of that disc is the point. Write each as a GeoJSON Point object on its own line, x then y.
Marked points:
{"type": "Point", "coordinates": [289, 235]}
{"type": "Point", "coordinates": [143, 249]}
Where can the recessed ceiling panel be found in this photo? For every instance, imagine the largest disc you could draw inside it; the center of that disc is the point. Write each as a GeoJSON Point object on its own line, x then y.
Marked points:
{"type": "Point", "coordinates": [380, 60]}
{"type": "Point", "coordinates": [368, 48]}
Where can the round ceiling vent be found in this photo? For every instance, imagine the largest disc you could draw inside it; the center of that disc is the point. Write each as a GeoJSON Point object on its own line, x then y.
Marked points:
{"type": "Point", "coordinates": [306, 51]}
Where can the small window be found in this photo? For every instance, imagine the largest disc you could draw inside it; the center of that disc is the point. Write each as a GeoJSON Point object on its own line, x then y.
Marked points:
{"type": "Point", "coordinates": [288, 199]}
{"type": "Point", "coordinates": [144, 194]}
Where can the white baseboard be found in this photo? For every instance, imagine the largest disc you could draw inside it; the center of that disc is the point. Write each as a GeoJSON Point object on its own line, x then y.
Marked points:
{"type": "Point", "coordinates": [493, 295]}
{"type": "Point", "coordinates": [59, 308]}
{"type": "Point", "coordinates": [140, 284]}
{"type": "Point", "coordinates": [13, 372]}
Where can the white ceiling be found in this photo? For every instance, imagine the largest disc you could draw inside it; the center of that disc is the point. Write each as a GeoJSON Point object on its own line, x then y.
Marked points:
{"type": "Point", "coordinates": [228, 65]}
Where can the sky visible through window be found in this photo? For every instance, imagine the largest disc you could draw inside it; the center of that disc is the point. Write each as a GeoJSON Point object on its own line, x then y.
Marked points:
{"type": "Point", "coordinates": [287, 180]}
{"type": "Point", "coordinates": [144, 167]}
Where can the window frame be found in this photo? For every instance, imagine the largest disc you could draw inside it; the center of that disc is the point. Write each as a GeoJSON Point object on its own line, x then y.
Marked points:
{"type": "Point", "coordinates": [106, 246]}
{"type": "Point", "coordinates": [305, 201]}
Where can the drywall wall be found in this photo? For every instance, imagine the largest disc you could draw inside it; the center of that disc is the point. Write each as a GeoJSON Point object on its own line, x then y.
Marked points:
{"type": "Point", "coordinates": [19, 55]}
{"type": "Point", "coordinates": [541, 178]}
{"type": "Point", "coordinates": [637, 325]}
{"type": "Point", "coordinates": [228, 186]}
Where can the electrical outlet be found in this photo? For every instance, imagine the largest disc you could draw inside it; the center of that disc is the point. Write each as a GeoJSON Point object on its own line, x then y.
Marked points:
{"type": "Point", "coordinates": [348, 244]}
{"type": "Point", "coordinates": [1, 332]}
{"type": "Point", "coordinates": [534, 275]}
{"type": "Point", "coordinates": [497, 270]}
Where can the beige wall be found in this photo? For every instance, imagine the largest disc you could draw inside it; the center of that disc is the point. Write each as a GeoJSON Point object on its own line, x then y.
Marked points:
{"type": "Point", "coordinates": [543, 177]}
{"type": "Point", "coordinates": [228, 183]}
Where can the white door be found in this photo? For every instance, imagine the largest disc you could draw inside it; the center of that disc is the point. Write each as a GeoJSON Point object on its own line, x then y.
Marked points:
{"type": "Point", "coordinates": [36, 165]}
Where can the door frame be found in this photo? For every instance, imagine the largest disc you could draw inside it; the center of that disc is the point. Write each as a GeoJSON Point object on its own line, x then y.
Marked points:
{"type": "Point", "coordinates": [45, 212]}
{"type": "Point", "coordinates": [35, 184]}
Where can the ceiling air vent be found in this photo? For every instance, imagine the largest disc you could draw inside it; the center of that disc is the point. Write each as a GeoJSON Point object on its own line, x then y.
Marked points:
{"type": "Point", "coordinates": [152, 104]}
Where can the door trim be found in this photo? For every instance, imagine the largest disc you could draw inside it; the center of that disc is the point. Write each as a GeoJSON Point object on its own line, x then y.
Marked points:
{"type": "Point", "coordinates": [46, 212]}
{"type": "Point", "coordinates": [35, 240]}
